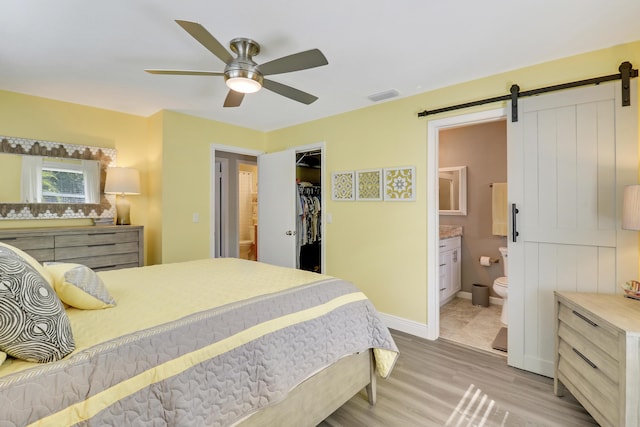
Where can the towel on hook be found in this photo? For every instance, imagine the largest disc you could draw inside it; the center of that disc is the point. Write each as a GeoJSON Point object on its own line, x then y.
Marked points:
{"type": "Point", "coordinates": [499, 209]}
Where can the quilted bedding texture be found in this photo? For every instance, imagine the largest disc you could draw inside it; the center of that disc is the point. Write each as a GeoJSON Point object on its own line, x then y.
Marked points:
{"type": "Point", "coordinates": [212, 367]}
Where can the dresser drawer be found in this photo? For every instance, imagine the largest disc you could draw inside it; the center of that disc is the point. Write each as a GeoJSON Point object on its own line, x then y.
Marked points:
{"type": "Point", "coordinates": [108, 262]}
{"type": "Point", "coordinates": [41, 248]}
{"type": "Point", "coordinates": [95, 238]}
{"type": "Point", "coordinates": [591, 328]}
{"type": "Point", "coordinates": [592, 355]}
{"type": "Point", "coordinates": [72, 252]}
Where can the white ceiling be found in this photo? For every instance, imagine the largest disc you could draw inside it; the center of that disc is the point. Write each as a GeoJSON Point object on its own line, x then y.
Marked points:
{"type": "Point", "coordinates": [94, 52]}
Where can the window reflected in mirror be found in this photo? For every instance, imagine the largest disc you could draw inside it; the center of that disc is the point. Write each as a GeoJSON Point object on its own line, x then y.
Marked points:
{"type": "Point", "coordinates": [46, 180]}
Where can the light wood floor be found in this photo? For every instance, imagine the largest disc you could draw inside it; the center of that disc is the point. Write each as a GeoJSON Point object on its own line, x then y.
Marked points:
{"type": "Point", "coordinates": [440, 383]}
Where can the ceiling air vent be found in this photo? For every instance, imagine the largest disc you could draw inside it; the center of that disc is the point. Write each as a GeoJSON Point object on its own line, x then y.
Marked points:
{"type": "Point", "coordinates": [381, 96]}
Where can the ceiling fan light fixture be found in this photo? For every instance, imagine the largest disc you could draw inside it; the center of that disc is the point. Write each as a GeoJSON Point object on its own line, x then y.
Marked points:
{"type": "Point", "coordinates": [243, 81]}
{"type": "Point", "coordinates": [243, 85]}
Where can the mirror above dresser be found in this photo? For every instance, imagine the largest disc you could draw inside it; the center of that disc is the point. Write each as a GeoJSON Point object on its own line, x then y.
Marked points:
{"type": "Point", "coordinates": [53, 180]}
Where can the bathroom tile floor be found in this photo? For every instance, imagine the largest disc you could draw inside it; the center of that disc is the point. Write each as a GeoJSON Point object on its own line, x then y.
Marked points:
{"type": "Point", "coordinates": [470, 325]}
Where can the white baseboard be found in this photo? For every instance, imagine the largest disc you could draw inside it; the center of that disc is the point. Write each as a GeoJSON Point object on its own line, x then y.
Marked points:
{"type": "Point", "coordinates": [492, 300]}
{"type": "Point", "coordinates": [405, 325]}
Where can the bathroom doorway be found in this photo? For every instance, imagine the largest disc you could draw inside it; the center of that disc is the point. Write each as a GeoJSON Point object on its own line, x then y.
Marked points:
{"type": "Point", "coordinates": [234, 204]}
{"type": "Point", "coordinates": [247, 210]}
{"type": "Point", "coordinates": [476, 142]}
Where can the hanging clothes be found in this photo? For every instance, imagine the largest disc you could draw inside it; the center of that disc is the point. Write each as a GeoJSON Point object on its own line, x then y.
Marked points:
{"type": "Point", "coordinates": [309, 225]}
{"type": "Point", "coordinates": [309, 209]}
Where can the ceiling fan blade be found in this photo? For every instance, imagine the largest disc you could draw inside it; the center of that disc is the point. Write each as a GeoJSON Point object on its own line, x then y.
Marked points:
{"type": "Point", "coordinates": [185, 72]}
{"type": "Point", "coordinates": [296, 62]}
{"type": "Point", "coordinates": [205, 38]}
{"type": "Point", "coordinates": [234, 99]}
{"type": "Point", "coordinates": [289, 92]}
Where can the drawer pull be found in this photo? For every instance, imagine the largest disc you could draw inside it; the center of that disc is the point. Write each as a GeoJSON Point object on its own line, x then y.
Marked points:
{"type": "Point", "coordinates": [586, 359]}
{"type": "Point", "coordinates": [101, 244]}
{"type": "Point", "coordinates": [101, 234]}
{"type": "Point", "coordinates": [585, 318]}
{"type": "Point", "coordinates": [442, 265]}
{"type": "Point", "coordinates": [6, 239]}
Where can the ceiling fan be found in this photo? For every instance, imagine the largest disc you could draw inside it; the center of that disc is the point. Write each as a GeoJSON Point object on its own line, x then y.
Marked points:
{"type": "Point", "coordinates": [241, 74]}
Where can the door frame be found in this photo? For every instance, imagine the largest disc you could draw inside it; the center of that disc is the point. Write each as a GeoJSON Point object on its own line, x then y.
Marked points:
{"type": "Point", "coordinates": [212, 197]}
{"type": "Point", "coordinates": [433, 220]}
{"type": "Point", "coordinates": [222, 223]}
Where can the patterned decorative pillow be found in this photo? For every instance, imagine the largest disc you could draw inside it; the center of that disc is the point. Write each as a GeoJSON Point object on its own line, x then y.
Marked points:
{"type": "Point", "coordinates": [30, 260]}
{"type": "Point", "coordinates": [79, 286]}
{"type": "Point", "coordinates": [33, 324]}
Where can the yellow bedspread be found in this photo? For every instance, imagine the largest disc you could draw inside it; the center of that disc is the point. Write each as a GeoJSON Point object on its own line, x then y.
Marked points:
{"type": "Point", "coordinates": [207, 323]}
{"type": "Point", "coordinates": [155, 295]}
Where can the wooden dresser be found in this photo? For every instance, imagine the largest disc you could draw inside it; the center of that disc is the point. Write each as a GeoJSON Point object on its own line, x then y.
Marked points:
{"type": "Point", "coordinates": [598, 355]}
{"type": "Point", "coordinates": [98, 247]}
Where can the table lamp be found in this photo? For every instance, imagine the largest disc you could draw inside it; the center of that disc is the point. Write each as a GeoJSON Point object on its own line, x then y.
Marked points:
{"type": "Point", "coordinates": [122, 181]}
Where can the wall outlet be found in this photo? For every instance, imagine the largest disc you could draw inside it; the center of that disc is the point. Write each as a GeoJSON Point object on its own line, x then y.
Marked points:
{"type": "Point", "coordinates": [196, 217]}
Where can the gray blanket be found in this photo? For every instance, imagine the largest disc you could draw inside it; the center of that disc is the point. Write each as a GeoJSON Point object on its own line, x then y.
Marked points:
{"type": "Point", "coordinates": [217, 391]}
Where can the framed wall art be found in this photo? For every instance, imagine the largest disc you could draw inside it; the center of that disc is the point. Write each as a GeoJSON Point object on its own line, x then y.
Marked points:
{"type": "Point", "coordinates": [342, 185]}
{"type": "Point", "coordinates": [400, 184]}
{"type": "Point", "coordinates": [369, 184]}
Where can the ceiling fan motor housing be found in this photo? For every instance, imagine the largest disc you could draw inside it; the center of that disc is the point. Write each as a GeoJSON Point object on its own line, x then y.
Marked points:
{"type": "Point", "coordinates": [243, 66]}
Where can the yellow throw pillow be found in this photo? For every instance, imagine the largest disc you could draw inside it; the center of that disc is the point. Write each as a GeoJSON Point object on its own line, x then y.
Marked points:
{"type": "Point", "coordinates": [79, 286]}
{"type": "Point", "coordinates": [31, 261]}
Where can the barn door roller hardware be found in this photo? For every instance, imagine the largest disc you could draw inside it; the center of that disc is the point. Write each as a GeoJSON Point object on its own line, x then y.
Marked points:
{"type": "Point", "coordinates": [626, 74]}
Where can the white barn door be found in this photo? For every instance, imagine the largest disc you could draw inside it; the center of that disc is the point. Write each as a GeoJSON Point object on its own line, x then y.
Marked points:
{"type": "Point", "coordinates": [569, 156]}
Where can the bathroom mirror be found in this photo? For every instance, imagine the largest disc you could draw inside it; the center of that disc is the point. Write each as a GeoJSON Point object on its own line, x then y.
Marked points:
{"type": "Point", "coordinates": [452, 184]}
{"type": "Point", "coordinates": [48, 180]}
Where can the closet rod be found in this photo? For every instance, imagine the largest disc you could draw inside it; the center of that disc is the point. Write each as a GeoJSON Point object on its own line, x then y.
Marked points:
{"type": "Point", "coordinates": [626, 72]}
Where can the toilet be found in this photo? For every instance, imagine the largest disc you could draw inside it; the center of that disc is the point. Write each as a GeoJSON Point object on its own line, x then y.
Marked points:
{"type": "Point", "coordinates": [500, 286]}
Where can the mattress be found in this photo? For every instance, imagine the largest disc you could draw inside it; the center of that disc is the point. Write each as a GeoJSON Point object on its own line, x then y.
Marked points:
{"type": "Point", "coordinates": [204, 342]}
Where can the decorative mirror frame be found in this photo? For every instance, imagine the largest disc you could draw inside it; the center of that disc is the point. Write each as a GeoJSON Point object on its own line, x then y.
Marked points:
{"type": "Point", "coordinates": [106, 157]}
{"type": "Point", "coordinates": [462, 190]}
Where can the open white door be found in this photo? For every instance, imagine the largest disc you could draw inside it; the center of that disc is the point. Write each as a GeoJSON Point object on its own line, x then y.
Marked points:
{"type": "Point", "coordinates": [569, 157]}
{"type": "Point", "coordinates": [277, 208]}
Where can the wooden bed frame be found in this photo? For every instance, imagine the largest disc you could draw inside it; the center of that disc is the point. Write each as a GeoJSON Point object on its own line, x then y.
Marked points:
{"type": "Point", "coordinates": [320, 395]}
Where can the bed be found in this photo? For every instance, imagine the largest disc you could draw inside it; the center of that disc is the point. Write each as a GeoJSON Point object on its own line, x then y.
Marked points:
{"type": "Point", "coordinates": [212, 342]}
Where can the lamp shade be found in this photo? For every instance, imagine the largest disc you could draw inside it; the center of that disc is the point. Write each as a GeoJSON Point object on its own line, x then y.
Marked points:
{"type": "Point", "coordinates": [631, 207]}
{"type": "Point", "coordinates": [122, 181]}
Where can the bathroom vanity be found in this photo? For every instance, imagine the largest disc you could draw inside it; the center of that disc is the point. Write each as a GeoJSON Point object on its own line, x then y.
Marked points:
{"type": "Point", "coordinates": [450, 265]}
{"type": "Point", "coordinates": [598, 355]}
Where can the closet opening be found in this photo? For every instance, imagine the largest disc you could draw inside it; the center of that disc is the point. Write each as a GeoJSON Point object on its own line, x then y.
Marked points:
{"type": "Point", "coordinates": [308, 210]}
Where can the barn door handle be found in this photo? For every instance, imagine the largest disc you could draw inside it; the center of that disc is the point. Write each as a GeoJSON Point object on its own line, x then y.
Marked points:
{"type": "Point", "coordinates": [514, 229]}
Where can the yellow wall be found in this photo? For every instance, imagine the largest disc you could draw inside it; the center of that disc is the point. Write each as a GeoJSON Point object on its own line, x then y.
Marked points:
{"type": "Point", "coordinates": [381, 246]}
{"type": "Point", "coordinates": [32, 117]}
{"type": "Point", "coordinates": [186, 180]}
